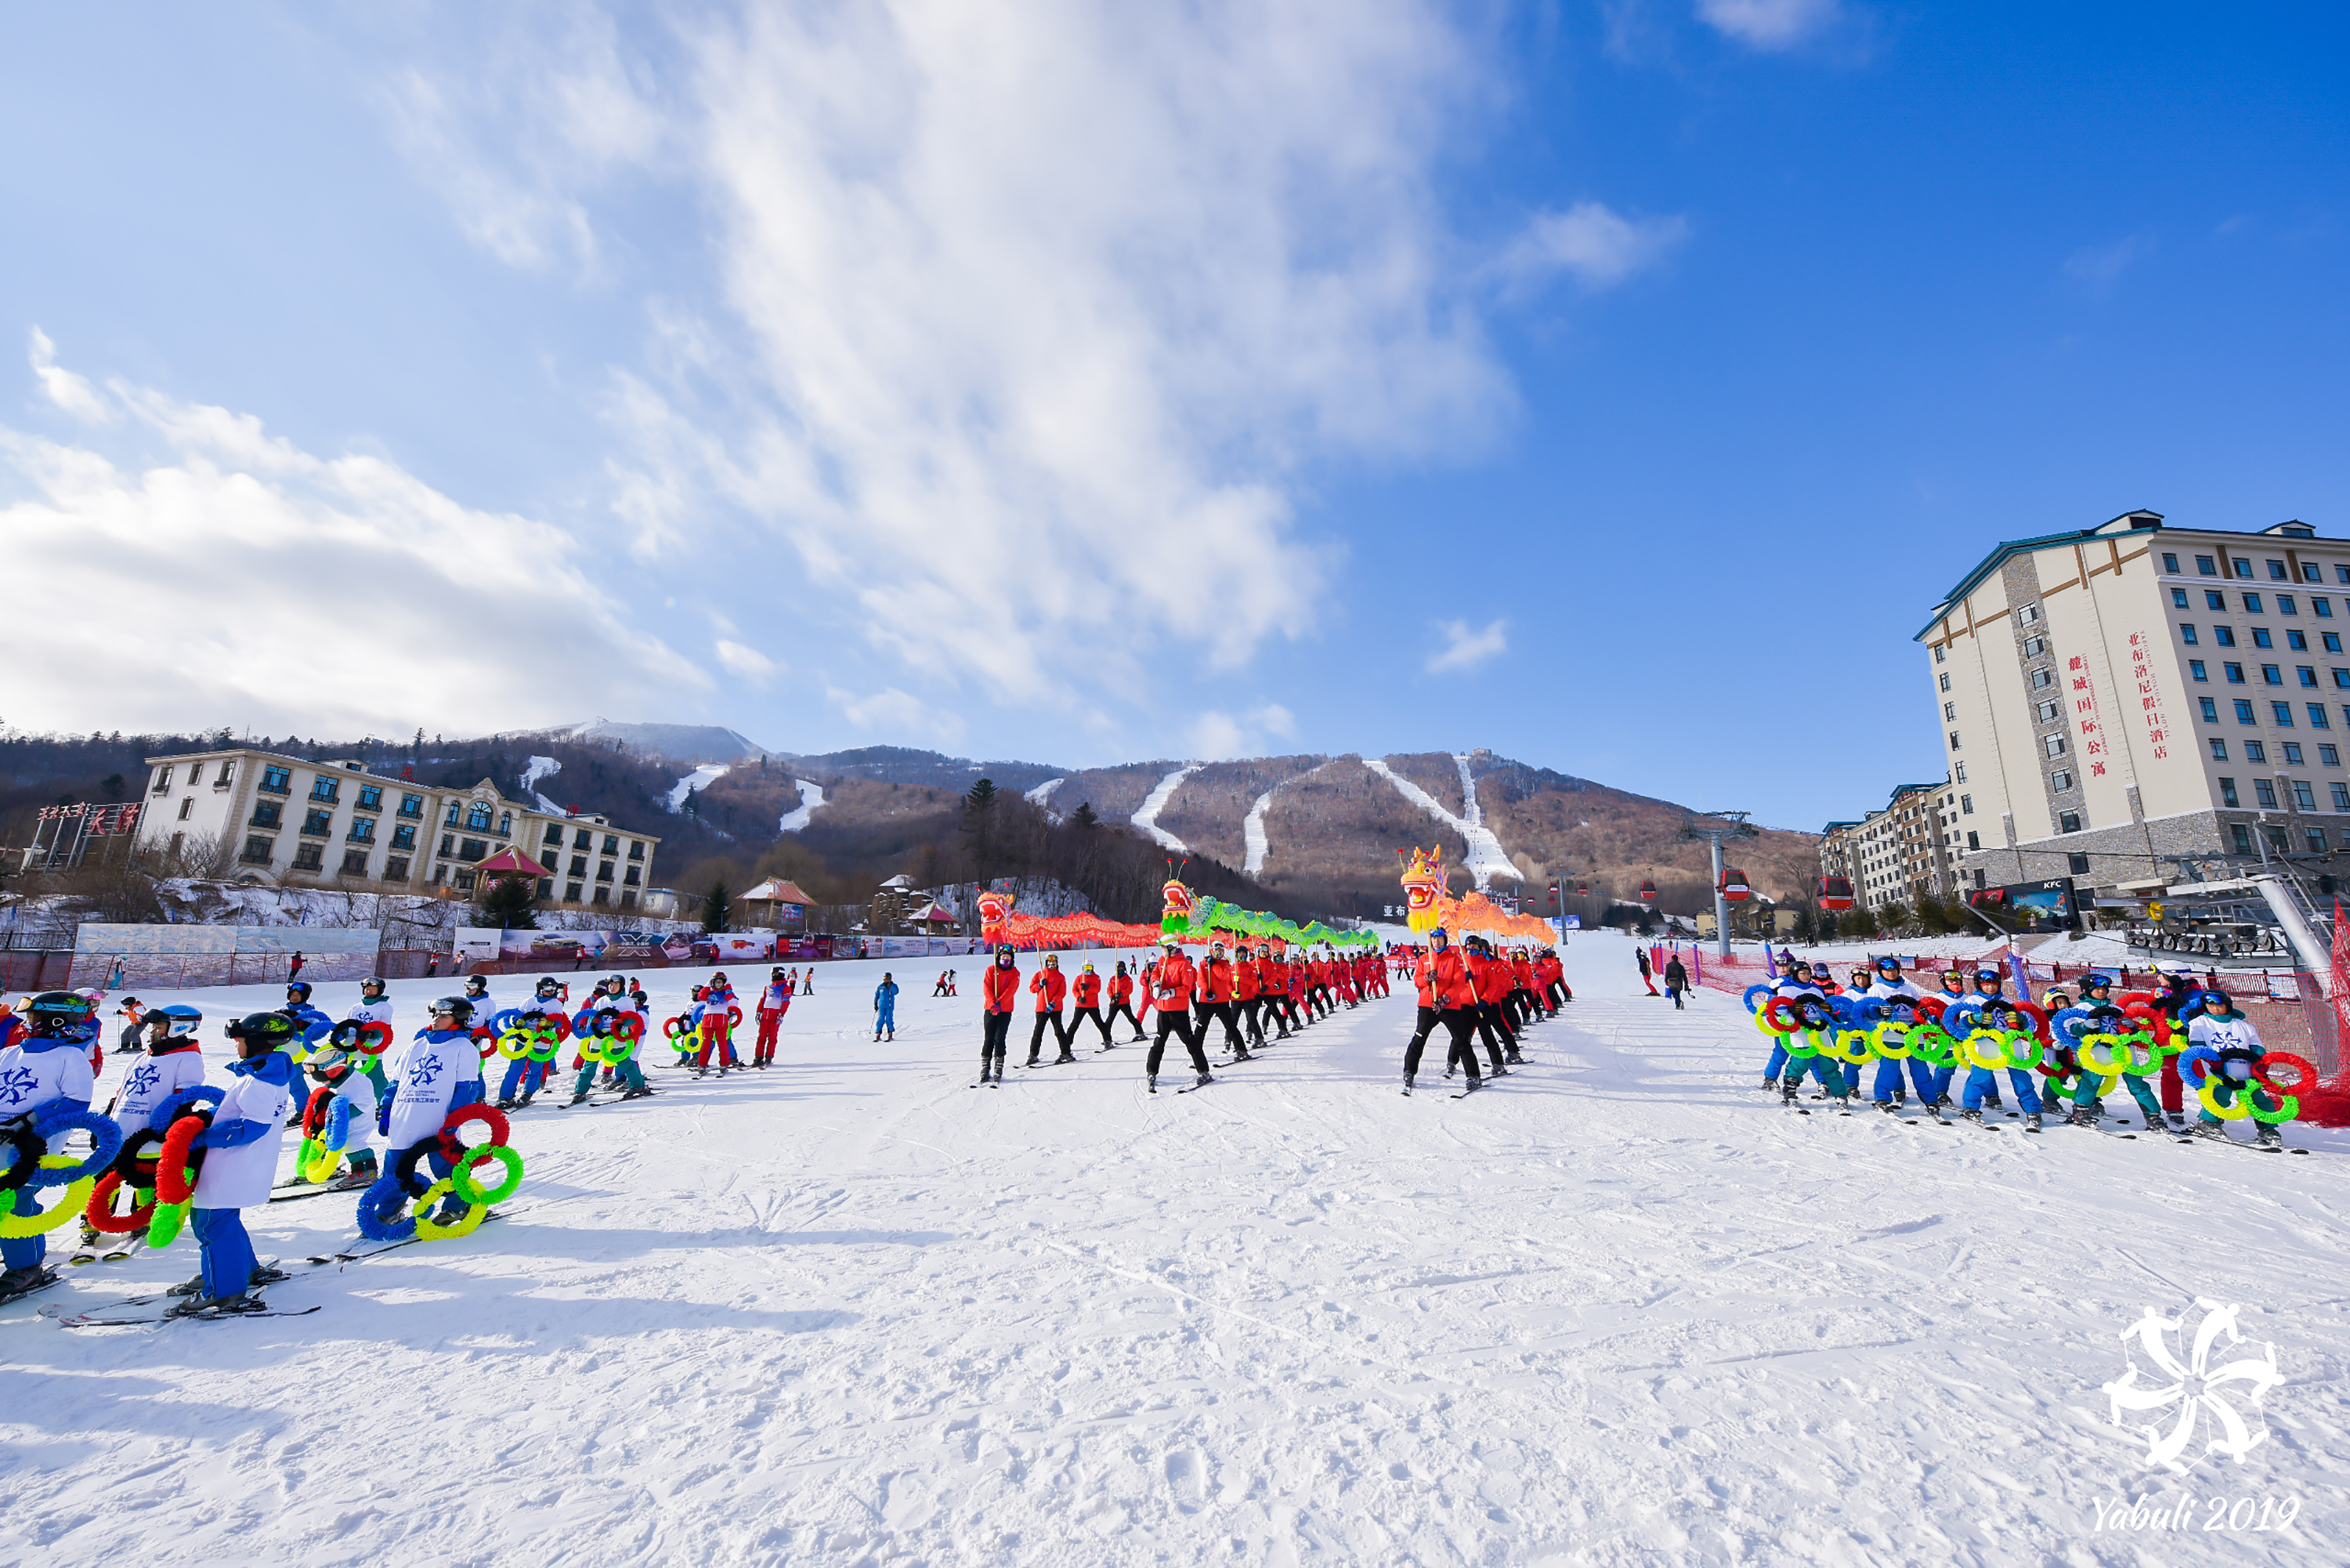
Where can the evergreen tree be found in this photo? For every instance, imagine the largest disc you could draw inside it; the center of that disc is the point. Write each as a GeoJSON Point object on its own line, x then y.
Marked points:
{"type": "Point", "coordinates": [716, 905]}
{"type": "Point", "coordinates": [507, 905]}
{"type": "Point", "coordinates": [1084, 818]}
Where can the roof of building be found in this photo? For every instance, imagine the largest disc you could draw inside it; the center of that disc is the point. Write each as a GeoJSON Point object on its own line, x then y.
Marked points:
{"type": "Point", "coordinates": [511, 863]}
{"type": "Point", "coordinates": [2140, 522]}
{"type": "Point", "coordinates": [776, 890]}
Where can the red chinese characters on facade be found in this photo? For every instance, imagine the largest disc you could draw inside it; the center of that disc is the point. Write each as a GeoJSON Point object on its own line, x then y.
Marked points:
{"type": "Point", "coordinates": [2084, 709]}
{"type": "Point", "coordinates": [2150, 695]}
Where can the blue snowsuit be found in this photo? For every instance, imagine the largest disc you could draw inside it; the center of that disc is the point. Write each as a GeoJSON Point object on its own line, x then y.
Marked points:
{"type": "Point", "coordinates": [884, 1007]}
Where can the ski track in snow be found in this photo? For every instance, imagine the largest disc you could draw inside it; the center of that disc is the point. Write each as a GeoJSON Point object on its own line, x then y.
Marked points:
{"type": "Point", "coordinates": [811, 799]}
{"type": "Point", "coordinates": [1147, 816]}
{"type": "Point", "coordinates": [1252, 835]}
{"type": "Point", "coordinates": [544, 768]}
{"type": "Point", "coordinates": [1486, 859]}
{"type": "Point", "coordinates": [700, 778]}
{"type": "Point", "coordinates": [1618, 1309]}
{"type": "Point", "coordinates": [1041, 795]}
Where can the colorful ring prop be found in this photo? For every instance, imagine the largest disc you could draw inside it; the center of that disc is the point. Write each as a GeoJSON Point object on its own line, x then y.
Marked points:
{"type": "Point", "coordinates": [506, 1018]}
{"type": "Point", "coordinates": [164, 1228]}
{"type": "Point", "coordinates": [142, 1145]}
{"type": "Point", "coordinates": [1854, 1046]}
{"type": "Point", "coordinates": [461, 1175]}
{"type": "Point", "coordinates": [2196, 1063]}
{"type": "Point", "coordinates": [2117, 1059]}
{"type": "Point", "coordinates": [177, 1166]}
{"type": "Point", "coordinates": [99, 1210]}
{"type": "Point", "coordinates": [452, 1149]}
{"type": "Point", "coordinates": [2304, 1073]}
{"type": "Point", "coordinates": [25, 1153]}
{"type": "Point", "coordinates": [314, 1114]}
{"type": "Point", "coordinates": [733, 1018]}
{"type": "Point", "coordinates": [1891, 1040]}
{"type": "Point", "coordinates": [428, 1230]}
{"type": "Point", "coordinates": [485, 1041]}
{"type": "Point", "coordinates": [2288, 1106]}
{"type": "Point", "coordinates": [1761, 988]}
{"type": "Point", "coordinates": [385, 1196]}
{"type": "Point", "coordinates": [185, 1101]}
{"type": "Point", "coordinates": [1932, 1044]}
{"type": "Point", "coordinates": [69, 1206]}
{"type": "Point", "coordinates": [315, 1163]}
{"type": "Point", "coordinates": [1991, 1061]}
{"type": "Point", "coordinates": [375, 1037]}
{"type": "Point", "coordinates": [2023, 1049]}
{"type": "Point", "coordinates": [516, 1043]}
{"type": "Point", "coordinates": [2240, 1105]}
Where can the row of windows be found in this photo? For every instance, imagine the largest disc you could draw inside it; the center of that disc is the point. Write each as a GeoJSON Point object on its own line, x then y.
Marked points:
{"type": "Point", "coordinates": [581, 838]}
{"type": "Point", "coordinates": [2225, 636]}
{"type": "Point", "coordinates": [2257, 752]}
{"type": "Point", "coordinates": [259, 851]}
{"type": "Point", "coordinates": [226, 776]}
{"type": "Point", "coordinates": [2270, 674]}
{"type": "Point", "coordinates": [2304, 794]}
{"type": "Point", "coordinates": [2286, 605]}
{"type": "Point", "coordinates": [2280, 713]}
{"type": "Point", "coordinates": [2210, 566]}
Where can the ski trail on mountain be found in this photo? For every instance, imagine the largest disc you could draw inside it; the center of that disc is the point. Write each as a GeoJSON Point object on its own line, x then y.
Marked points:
{"type": "Point", "coordinates": [1147, 816]}
{"type": "Point", "coordinates": [1253, 834]}
{"type": "Point", "coordinates": [1486, 859]}
{"type": "Point", "coordinates": [1041, 795]}
{"type": "Point", "coordinates": [701, 777]}
{"type": "Point", "coordinates": [542, 768]}
{"type": "Point", "coordinates": [811, 800]}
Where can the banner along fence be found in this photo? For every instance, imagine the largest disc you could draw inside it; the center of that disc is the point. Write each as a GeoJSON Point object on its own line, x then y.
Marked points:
{"type": "Point", "coordinates": [114, 957]}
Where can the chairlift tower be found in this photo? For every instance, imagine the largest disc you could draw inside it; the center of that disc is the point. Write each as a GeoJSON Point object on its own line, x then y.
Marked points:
{"type": "Point", "coordinates": [1735, 827]}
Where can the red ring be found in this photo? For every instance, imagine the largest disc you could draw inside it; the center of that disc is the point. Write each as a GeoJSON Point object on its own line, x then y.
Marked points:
{"type": "Point", "coordinates": [490, 1117]}
{"type": "Point", "coordinates": [377, 1031]}
{"type": "Point", "coordinates": [99, 1210]}
{"type": "Point", "coordinates": [2307, 1081]}
{"type": "Point", "coordinates": [631, 1027]}
{"type": "Point", "coordinates": [173, 1177]}
{"type": "Point", "coordinates": [314, 1114]}
{"type": "Point", "coordinates": [1771, 1015]}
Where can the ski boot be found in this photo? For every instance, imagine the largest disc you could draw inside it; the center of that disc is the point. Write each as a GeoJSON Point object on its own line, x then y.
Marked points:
{"type": "Point", "coordinates": [265, 1274]}
{"type": "Point", "coordinates": [194, 1287]}
{"type": "Point", "coordinates": [1888, 1107]}
{"type": "Point", "coordinates": [1205, 1079]}
{"type": "Point", "coordinates": [1788, 1093]}
{"type": "Point", "coordinates": [1063, 1060]}
{"type": "Point", "coordinates": [352, 1181]}
{"type": "Point", "coordinates": [1151, 1083]}
{"type": "Point", "coordinates": [1769, 1085]}
{"type": "Point", "coordinates": [635, 1093]}
{"type": "Point", "coordinates": [525, 1100]}
{"type": "Point", "coordinates": [507, 1104]}
{"type": "Point", "coordinates": [1900, 1096]}
{"type": "Point", "coordinates": [2269, 1137]}
{"type": "Point", "coordinates": [580, 1098]}
{"type": "Point", "coordinates": [1844, 1104]}
{"type": "Point", "coordinates": [1514, 1060]}
{"type": "Point", "coordinates": [25, 1281]}
{"type": "Point", "coordinates": [1500, 1070]}
{"type": "Point", "coordinates": [1407, 1083]}
{"type": "Point", "coordinates": [2215, 1130]}
{"type": "Point", "coordinates": [2081, 1117]}
{"type": "Point", "coordinates": [1974, 1115]}
{"type": "Point", "coordinates": [224, 1306]}
{"type": "Point", "coordinates": [2031, 1121]}
{"type": "Point", "coordinates": [1241, 1053]}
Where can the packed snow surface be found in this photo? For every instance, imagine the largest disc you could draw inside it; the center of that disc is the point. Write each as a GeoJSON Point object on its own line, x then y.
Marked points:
{"type": "Point", "coordinates": [1486, 859]}
{"type": "Point", "coordinates": [701, 777]}
{"type": "Point", "coordinates": [1146, 817]}
{"type": "Point", "coordinates": [1042, 794]}
{"type": "Point", "coordinates": [546, 768]}
{"type": "Point", "coordinates": [1618, 1308]}
{"type": "Point", "coordinates": [811, 801]}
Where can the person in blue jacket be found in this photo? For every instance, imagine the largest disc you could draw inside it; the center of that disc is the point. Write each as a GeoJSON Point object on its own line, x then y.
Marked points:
{"type": "Point", "coordinates": [46, 1068]}
{"type": "Point", "coordinates": [885, 1007]}
{"type": "Point", "coordinates": [240, 1163]}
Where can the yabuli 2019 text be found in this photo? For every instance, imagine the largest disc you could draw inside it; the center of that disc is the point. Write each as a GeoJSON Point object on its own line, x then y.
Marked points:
{"type": "Point", "coordinates": [2184, 1513]}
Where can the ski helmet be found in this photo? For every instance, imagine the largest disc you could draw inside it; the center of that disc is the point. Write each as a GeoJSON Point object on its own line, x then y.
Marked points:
{"type": "Point", "coordinates": [547, 986]}
{"type": "Point", "coordinates": [271, 1030]}
{"type": "Point", "coordinates": [2095, 980]}
{"type": "Point", "coordinates": [1439, 937]}
{"type": "Point", "coordinates": [1986, 972]}
{"type": "Point", "coordinates": [457, 1007]}
{"type": "Point", "coordinates": [776, 972]}
{"type": "Point", "coordinates": [58, 1015]}
{"type": "Point", "coordinates": [298, 993]}
{"type": "Point", "coordinates": [371, 989]}
{"type": "Point", "coordinates": [1890, 962]}
{"type": "Point", "coordinates": [1052, 961]}
{"type": "Point", "coordinates": [476, 987]}
{"type": "Point", "coordinates": [177, 1022]}
{"type": "Point", "coordinates": [619, 983]}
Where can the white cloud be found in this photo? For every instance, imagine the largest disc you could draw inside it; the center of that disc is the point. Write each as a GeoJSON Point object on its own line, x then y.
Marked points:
{"type": "Point", "coordinates": [2100, 266]}
{"type": "Point", "coordinates": [1597, 246]}
{"type": "Point", "coordinates": [899, 713]}
{"type": "Point", "coordinates": [1030, 319]}
{"type": "Point", "coordinates": [1274, 720]}
{"type": "Point", "coordinates": [1465, 648]}
{"type": "Point", "coordinates": [242, 581]}
{"type": "Point", "coordinates": [68, 392]}
{"type": "Point", "coordinates": [747, 662]}
{"type": "Point", "coordinates": [1768, 24]}
{"type": "Point", "coordinates": [1215, 736]}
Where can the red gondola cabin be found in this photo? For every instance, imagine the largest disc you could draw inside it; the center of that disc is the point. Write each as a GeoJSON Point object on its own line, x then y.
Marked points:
{"type": "Point", "coordinates": [1648, 892]}
{"type": "Point", "coordinates": [1836, 892]}
{"type": "Point", "coordinates": [1733, 885]}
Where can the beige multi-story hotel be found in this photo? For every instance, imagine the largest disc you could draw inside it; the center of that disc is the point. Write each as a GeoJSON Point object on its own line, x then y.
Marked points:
{"type": "Point", "coordinates": [2116, 699]}
{"type": "Point", "coordinates": [257, 817]}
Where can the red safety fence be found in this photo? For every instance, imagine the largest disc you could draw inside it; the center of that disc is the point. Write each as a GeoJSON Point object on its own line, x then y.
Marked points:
{"type": "Point", "coordinates": [34, 969]}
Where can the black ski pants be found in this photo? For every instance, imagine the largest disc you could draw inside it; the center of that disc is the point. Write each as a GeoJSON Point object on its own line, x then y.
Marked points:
{"type": "Point", "coordinates": [997, 1027]}
{"type": "Point", "coordinates": [1077, 1021]}
{"type": "Point", "coordinates": [1180, 1023]}
{"type": "Point", "coordinates": [1489, 1022]}
{"type": "Point", "coordinates": [1126, 1011]}
{"type": "Point", "coordinates": [1036, 1035]}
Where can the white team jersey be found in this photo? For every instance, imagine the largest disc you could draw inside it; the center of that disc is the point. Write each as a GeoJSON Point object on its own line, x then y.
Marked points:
{"type": "Point", "coordinates": [2223, 1034]}
{"type": "Point", "coordinates": [31, 1079]}
{"type": "Point", "coordinates": [423, 1081]}
{"type": "Point", "coordinates": [359, 1090]}
{"type": "Point", "coordinates": [239, 1177]}
{"type": "Point", "coordinates": [150, 1082]}
{"type": "Point", "coordinates": [379, 1012]}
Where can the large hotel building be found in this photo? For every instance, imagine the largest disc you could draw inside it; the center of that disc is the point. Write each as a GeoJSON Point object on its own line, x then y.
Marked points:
{"type": "Point", "coordinates": [2119, 699]}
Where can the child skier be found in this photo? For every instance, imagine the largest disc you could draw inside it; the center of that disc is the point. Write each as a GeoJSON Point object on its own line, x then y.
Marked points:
{"type": "Point", "coordinates": [240, 1163]}
{"type": "Point", "coordinates": [47, 1068]}
{"type": "Point", "coordinates": [999, 995]}
{"type": "Point", "coordinates": [1121, 1001]}
{"type": "Point", "coordinates": [775, 1001]}
{"type": "Point", "coordinates": [1050, 986]}
{"type": "Point", "coordinates": [1087, 993]}
{"type": "Point", "coordinates": [2221, 1028]}
{"type": "Point", "coordinates": [885, 1007]}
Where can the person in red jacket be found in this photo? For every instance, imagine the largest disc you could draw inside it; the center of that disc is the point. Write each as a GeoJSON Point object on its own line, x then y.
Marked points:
{"type": "Point", "coordinates": [1447, 987]}
{"type": "Point", "coordinates": [1172, 990]}
{"type": "Point", "coordinates": [1218, 992]}
{"type": "Point", "coordinates": [1521, 987]}
{"type": "Point", "coordinates": [1273, 990]}
{"type": "Point", "coordinates": [1121, 1001]}
{"type": "Point", "coordinates": [775, 1001]}
{"type": "Point", "coordinates": [1085, 997]}
{"type": "Point", "coordinates": [1247, 980]}
{"type": "Point", "coordinates": [1050, 986]}
{"type": "Point", "coordinates": [1491, 977]}
{"type": "Point", "coordinates": [1001, 994]}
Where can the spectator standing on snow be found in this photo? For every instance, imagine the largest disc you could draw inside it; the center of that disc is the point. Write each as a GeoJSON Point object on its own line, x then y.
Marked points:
{"type": "Point", "coordinates": [885, 1007]}
{"type": "Point", "coordinates": [1647, 974]}
{"type": "Point", "coordinates": [293, 969]}
{"type": "Point", "coordinates": [1676, 979]}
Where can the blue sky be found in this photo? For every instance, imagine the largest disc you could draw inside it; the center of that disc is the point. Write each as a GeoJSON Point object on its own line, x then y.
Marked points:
{"type": "Point", "coordinates": [1613, 385]}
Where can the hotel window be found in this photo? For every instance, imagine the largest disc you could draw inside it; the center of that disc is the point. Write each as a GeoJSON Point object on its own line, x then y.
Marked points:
{"type": "Point", "coordinates": [2243, 836]}
{"type": "Point", "coordinates": [412, 806]}
{"type": "Point", "coordinates": [2303, 796]}
{"type": "Point", "coordinates": [2068, 822]}
{"type": "Point", "coordinates": [1954, 735]}
{"type": "Point", "coordinates": [2027, 615]}
{"type": "Point", "coordinates": [2061, 780]}
{"type": "Point", "coordinates": [2270, 675]}
{"type": "Point", "coordinates": [2048, 713]}
{"type": "Point", "coordinates": [163, 781]}
{"type": "Point", "coordinates": [2169, 562]}
{"type": "Point", "coordinates": [1959, 774]}
{"type": "Point", "coordinates": [571, 892]}
{"type": "Point", "coordinates": [2077, 864]}
{"type": "Point", "coordinates": [2234, 673]}
{"type": "Point", "coordinates": [395, 868]}
{"type": "Point", "coordinates": [2224, 635]}
{"type": "Point", "coordinates": [307, 857]}
{"type": "Point", "coordinates": [2330, 755]}
{"type": "Point", "coordinates": [362, 830]}
{"type": "Point", "coordinates": [1942, 681]}
{"type": "Point", "coordinates": [2341, 795]}
{"type": "Point", "coordinates": [2052, 745]}
{"type": "Point", "coordinates": [187, 807]}
{"type": "Point", "coordinates": [2308, 676]}
{"type": "Point", "coordinates": [370, 798]}
{"type": "Point", "coordinates": [2042, 679]}
{"type": "Point", "coordinates": [2324, 609]}
{"type": "Point", "coordinates": [2179, 598]}
{"type": "Point", "coordinates": [2310, 574]}
{"type": "Point", "coordinates": [2265, 792]}
{"type": "Point", "coordinates": [2211, 710]}
{"type": "Point", "coordinates": [2255, 752]}
{"type": "Point", "coordinates": [2292, 753]}
{"type": "Point", "coordinates": [2277, 573]}
{"type": "Point", "coordinates": [2316, 836]}
{"type": "Point", "coordinates": [1974, 841]}
{"type": "Point", "coordinates": [1941, 652]}
{"type": "Point", "coordinates": [2251, 603]}
{"type": "Point", "coordinates": [2214, 599]}
{"type": "Point", "coordinates": [2297, 642]}
{"type": "Point", "coordinates": [2033, 647]}
{"type": "Point", "coordinates": [318, 824]}
{"type": "Point", "coordinates": [2206, 566]}
{"type": "Point", "coordinates": [2226, 792]}
{"type": "Point", "coordinates": [2187, 633]}
{"type": "Point", "coordinates": [256, 851]}
{"type": "Point", "coordinates": [2283, 714]}
{"type": "Point", "coordinates": [2284, 606]}
{"type": "Point", "coordinates": [2244, 568]}
{"type": "Point", "coordinates": [2218, 749]}
{"type": "Point", "coordinates": [278, 780]}
{"type": "Point", "coordinates": [355, 862]}
{"type": "Point", "coordinates": [403, 836]}
{"type": "Point", "coordinates": [477, 816]}
{"type": "Point", "coordinates": [2195, 671]}
{"type": "Point", "coordinates": [1949, 710]}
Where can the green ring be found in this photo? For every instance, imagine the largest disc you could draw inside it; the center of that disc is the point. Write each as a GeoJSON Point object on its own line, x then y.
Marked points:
{"type": "Point", "coordinates": [164, 1229]}
{"type": "Point", "coordinates": [460, 1176]}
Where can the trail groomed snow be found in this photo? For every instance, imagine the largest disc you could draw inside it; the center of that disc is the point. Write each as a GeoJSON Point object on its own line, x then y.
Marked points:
{"type": "Point", "coordinates": [542, 768]}
{"type": "Point", "coordinates": [800, 815]}
{"type": "Point", "coordinates": [1146, 817]}
{"type": "Point", "coordinates": [701, 777]}
{"type": "Point", "coordinates": [1486, 859]}
{"type": "Point", "coordinates": [1616, 1310]}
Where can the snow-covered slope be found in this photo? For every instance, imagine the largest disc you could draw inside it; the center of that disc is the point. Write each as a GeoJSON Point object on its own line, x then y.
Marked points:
{"type": "Point", "coordinates": [1618, 1309]}
{"type": "Point", "coordinates": [1146, 817]}
{"type": "Point", "coordinates": [1041, 795]}
{"type": "Point", "coordinates": [1486, 860]}
{"type": "Point", "coordinates": [545, 768]}
{"type": "Point", "coordinates": [700, 778]}
{"type": "Point", "coordinates": [811, 799]}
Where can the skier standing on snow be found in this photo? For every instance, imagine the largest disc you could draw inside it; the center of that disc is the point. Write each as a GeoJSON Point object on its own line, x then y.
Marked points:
{"type": "Point", "coordinates": [1050, 986]}
{"type": "Point", "coordinates": [885, 1007]}
{"type": "Point", "coordinates": [47, 1068]}
{"type": "Point", "coordinates": [1216, 993]}
{"type": "Point", "coordinates": [240, 1163]}
{"type": "Point", "coordinates": [438, 1070]}
{"type": "Point", "coordinates": [1087, 996]}
{"type": "Point", "coordinates": [2223, 1029]}
{"type": "Point", "coordinates": [1001, 994]}
{"type": "Point", "coordinates": [1121, 1001]}
{"type": "Point", "coordinates": [1648, 977]}
{"type": "Point", "coordinates": [1171, 989]}
{"type": "Point", "coordinates": [774, 1003]}
{"type": "Point", "coordinates": [1444, 979]}
{"type": "Point", "coordinates": [1677, 983]}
